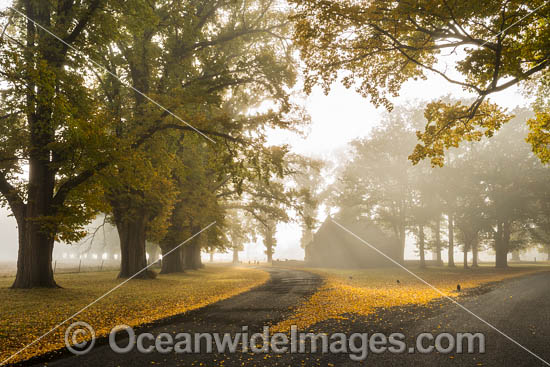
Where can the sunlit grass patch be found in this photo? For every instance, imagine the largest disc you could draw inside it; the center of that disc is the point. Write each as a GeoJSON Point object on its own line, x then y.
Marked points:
{"type": "Point", "coordinates": [27, 314]}
{"type": "Point", "coordinates": [364, 291]}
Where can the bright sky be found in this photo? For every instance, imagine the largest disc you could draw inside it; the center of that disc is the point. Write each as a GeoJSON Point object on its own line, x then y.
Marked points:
{"type": "Point", "coordinates": [337, 119]}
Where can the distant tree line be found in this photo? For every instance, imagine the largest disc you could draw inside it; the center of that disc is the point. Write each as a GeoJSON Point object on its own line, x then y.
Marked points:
{"type": "Point", "coordinates": [492, 194]}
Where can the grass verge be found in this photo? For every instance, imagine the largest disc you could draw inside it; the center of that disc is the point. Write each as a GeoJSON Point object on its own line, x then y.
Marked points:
{"type": "Point", "coordinates": [28, 314]}
{"type": "Point", "coordinates": [366, 291]}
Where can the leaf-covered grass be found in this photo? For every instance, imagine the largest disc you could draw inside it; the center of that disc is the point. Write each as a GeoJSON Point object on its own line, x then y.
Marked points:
{"type": "Point", "coordinates": [364, 291]}
{"type": "Point", "coordinates": [27, 314]}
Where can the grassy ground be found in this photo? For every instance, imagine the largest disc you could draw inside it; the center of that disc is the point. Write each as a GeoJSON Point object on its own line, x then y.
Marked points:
{"type": "Point", "coordinates": [27, 314]}
{"type": "Point", "coordinates": [367, 291]}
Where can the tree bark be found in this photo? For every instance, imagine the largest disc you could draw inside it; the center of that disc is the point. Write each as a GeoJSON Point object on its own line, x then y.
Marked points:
{"type": "Point", "coordinates": [173, 262]}
{"type": "Point", "coordinates": [192, 253]}
{"type": "Point", "coordinates": [474, 254]}
{"type": "Point", "coordinates": [438, 241]}
{"type": "Point", "coordinates": [269, 244]}
{"type": "Point", "coordinates": [34, 267]}
{"type": "Point", "coordinates": [132, 233]}
{"type": "Point", "coordinates": [401, 259]}
{"type": "Point", "coordinates": [269, 252]}
{"type": "Point", "coordinates": [34, 261]}
{"type": "Point", "coordinates": [451, 262]}
{"type": "Point", "coordinates": [400, 233]}
{"type": "Point", "coordinates": [502, 238]}
{"type": "Point", "coordinates": [421, 246]}
{"type": "Point", "coordinates": [44, 55]}
{"type": "Point", "coordinates": [465, 256]}
{"type": "Point", "coordinates": [235, 255]}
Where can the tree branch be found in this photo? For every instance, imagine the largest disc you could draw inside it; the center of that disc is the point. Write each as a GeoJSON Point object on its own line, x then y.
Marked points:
{"type": "Point", "coordinates": [152, 131]}
{"type": "Point", "coordinates": [15, 201]}
{"type": "Point", "coordinates": [82, 22]}
{"type": "Point", "coordinates": [72, 183]}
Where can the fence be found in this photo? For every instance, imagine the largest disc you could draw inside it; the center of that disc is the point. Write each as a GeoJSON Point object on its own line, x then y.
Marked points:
{"type": "Point", "coordinates": [65, 266]}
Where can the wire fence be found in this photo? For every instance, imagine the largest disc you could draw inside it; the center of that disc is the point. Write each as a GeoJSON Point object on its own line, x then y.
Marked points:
{"type": "Point", "coordinates": [64, 266]}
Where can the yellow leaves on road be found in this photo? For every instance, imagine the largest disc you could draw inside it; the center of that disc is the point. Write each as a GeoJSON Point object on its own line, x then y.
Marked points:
{"type": "Point", "coordinates": [363, 291]}
{"type": "Point", "coordinates": [28, 314]}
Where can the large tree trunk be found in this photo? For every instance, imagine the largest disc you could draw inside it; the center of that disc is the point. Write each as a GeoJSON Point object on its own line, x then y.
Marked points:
{"type": "Point", "coordinates": [400, 233]}
{"type": "Point", "coordinates": [43, 56]}
{"type": "Point", "coordinates": [173, 262]}
{"type": "Point", "coordinates": [268, 242]}
{"type": "Point", "coordinates": [474, 254]}
{"type": "Point", "coordinates": [235, 255]}
{"type": "Point", "coordinates": [269, 252]}
{"type": "Point", "coordinates": [438, 240]}
{"type": "Point", "coordinates": [421, 246]}
{"type": "Point", "coordinates": [502, 237]}
{"type": "Point", "coordinates": [465, 256]}
{"type": "Point", "coordinates": [451, 262]}
{"type": "Point", "coordinates": [132, 233]}
{"type": "Point", "coordinates": [401, 253]}
{"type": "Point", "coordinates": [192, 253]}
{"type": "Point", "coordinates": [34, 262]}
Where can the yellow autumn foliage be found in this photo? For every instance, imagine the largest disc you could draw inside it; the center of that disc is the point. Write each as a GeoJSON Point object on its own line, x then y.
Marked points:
{"type": "Point", "coordinates": [364, 291]}
{"type": "Point", "coordinates": [28, 314]}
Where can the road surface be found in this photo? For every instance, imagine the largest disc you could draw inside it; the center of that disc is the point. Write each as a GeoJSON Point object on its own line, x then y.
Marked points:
{"type": "Point", "coordinates": [519, 308]}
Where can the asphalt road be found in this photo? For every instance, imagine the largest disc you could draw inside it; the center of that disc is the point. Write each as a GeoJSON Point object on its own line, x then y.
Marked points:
{"type": "Point", "coordinates": [520, 308]}
{"type": "Point", "coordinates": [269, 303]}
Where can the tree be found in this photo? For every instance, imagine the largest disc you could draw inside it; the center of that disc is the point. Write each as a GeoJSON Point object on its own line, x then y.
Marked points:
{"type": "Point", "coordinates": [539, 231]}
{"type": "Point", "coordinates": [197, 66]}
{"type": "Point", "coordinates": [379, 45]}
{"type": "Point", "coordinates": [267, 202]}
{"type": "Point", "coordinates": [275, 196]}
{"type": "Point", "coordinates": [86, 128]}
{"type": "Point", "coordinates": [539, 126]}
{"type": "Point", "coordinates": [239, 231]}
{"type": "Point", "coordinates": [308, 181]}
{"type": "Point", "coordinates": [50, 123]}
{"type": "Point", "coordinates": [196, 206]}
{"type": "Point", "coordinates": [436, 244]}
{"type": "Point", "coordinates": [378, 183]}
{"type": "Point", "coordinates": [422, 210]}
{"type": "Point", "coordinates": [471, 218]}
{"type": "Point", "coordinates": [491, 192]}
{"type": "Point", "coordinates": [443, 185]}
{"type": "Point", "coordinates": [509, 175]}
